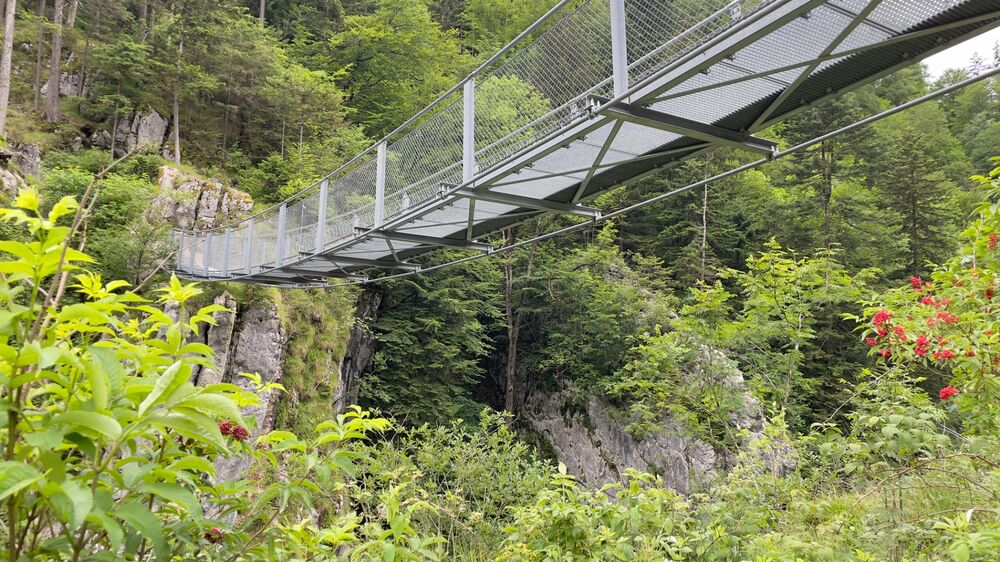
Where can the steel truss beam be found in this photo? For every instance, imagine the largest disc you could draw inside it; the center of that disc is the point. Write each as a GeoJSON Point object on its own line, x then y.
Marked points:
{"type": "Point", "coordinates": [359, 262]}
{"type": "Point", "coordinates": [426, 240]}
{"type": "Point", "coordinates": [681, 125]}
{"type": "Point", "coordinates": [323, 273]}
{"type": "Point", "coordinates": [527, 202]}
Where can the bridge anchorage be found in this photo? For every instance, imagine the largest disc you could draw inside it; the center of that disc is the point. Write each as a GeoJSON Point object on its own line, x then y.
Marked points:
{"type": "Point", "coordinates": [594, 94]}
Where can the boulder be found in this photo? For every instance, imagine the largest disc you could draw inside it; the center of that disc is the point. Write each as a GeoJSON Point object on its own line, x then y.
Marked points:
{"type": "Point", "coordinates": [70, 84]}
{"type": "Point", "coordinates": [10, 183]}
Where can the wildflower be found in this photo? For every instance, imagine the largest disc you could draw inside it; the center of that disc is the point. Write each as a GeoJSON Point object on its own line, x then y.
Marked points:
{"type": "Point", "coordinates": [900, 332]}
{"type": "Point", "coordinates": [970, 353]}
{"type": "Point", "coordinates": [920, 350]}
{"type": "Point", "coordinates": [215, 535]}
{"type": "Point", "coordinates": [994, 238]}
{"type": "Point", "coordinates": [943, 355]}
{"type": "Point", "coordinates": [881, 317]}
{"type": "Point", "coordinates": [916, 282]}
{"type": "Point", "coordinates": [885, 352]}
{"type": "Point", "coordinates": [923, 340]}
{"type": "Point", "coordinates": [872, 342]}
{"type": "Point", "coordinates": [882, 332]}
{"type": "Point", "coordinates": [929, 301]}
{"type": "Point", "coordinates": [236, 431]}
{"type": "Point", "coordinates": [948, 317]}
{"type": "Point", "coordinates": [947, 392]}
{"type": "Point", "coordinates": [989, 294]}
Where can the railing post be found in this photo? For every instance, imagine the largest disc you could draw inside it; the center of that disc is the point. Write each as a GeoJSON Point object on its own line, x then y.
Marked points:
{"type": "Point", "coordinates": [225, 252]}
{"type": "Point", "coordinates": [208, 251]}
{"type": "Point", "coordinates": [380, 184]}
{"type": "Point", "coordinates": [619, 54]}
{"type": "Point", "coordinates": [469, 131]}
{"type": "Point", "coordinates": [182, 249]}
{"type": "Point", "coordinates": [248, 246]}
{"type": "Point", "coordinates": [191, 253]}
{"type": "Point", "coordinates": [279, 250]}
{"type": "Point", "coordinates": [324, 187]}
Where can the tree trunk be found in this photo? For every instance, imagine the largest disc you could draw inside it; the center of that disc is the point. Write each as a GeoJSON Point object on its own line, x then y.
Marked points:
{"type": "Point", "coordinates": [71, 14]}
{"type": "Point", "coordinates": [5, 55]}
{"type": "Point", "coordinates": [40, 39]}
{"type": "Point", "coordinates": [114, 130]}
{"type": "Point", "coordinates": [514, 321]}
{"type": "Point", "coordinates": [177, 128]}
{"type": "Point", "coordinates": [52, 112]}
{"type": "Point", "coordinates": [704, 233]}
{"type": "Point", "coordinates": [262, 10]}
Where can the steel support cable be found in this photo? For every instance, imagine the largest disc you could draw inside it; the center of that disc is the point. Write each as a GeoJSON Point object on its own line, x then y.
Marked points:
{"type": "Point", "coordinates": [663, 196]}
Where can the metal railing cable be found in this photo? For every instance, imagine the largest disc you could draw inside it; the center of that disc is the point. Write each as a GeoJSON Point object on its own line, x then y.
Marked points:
{"type": "Point", "coordinates": [666, 195]}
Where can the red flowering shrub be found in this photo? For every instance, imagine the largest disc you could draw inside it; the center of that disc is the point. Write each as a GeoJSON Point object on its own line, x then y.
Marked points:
{"type": "Point", "coordinates": [215, 535]}
{"type": "Point", "coordinates": [947, 392]}
{"type": "Point", "coordinates": [950, 328]}
{"type": "Point", "coordinates": [236, 431]}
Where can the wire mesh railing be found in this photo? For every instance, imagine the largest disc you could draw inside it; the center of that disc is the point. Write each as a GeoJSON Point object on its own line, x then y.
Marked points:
{"type": "Point", "coordinates": [518, 100]}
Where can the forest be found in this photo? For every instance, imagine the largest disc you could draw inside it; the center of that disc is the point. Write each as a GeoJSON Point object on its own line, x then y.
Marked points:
{"type": "Point", "coordinates": [799, 362]}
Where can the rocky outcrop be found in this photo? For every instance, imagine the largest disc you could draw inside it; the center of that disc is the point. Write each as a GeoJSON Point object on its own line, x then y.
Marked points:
{"type": "Point", "coordinates": [590, 439]}
{"type": "Point", "coordinates": [191, 202]}
{"type": "Point", "coordinates": [141, 129]}
{"type": "Point", "coordinates": [71, 84]}
{"type": "Point", "coordinates": [10, 183]}
{"type": "Point", "coordinates": [246, 339]}
{"type": "Point", "coordinates": [28, 157]}
{"type": "Point", "coordinates": [595, 448]}
{"type": "Point", "coordinates": [360, 350]}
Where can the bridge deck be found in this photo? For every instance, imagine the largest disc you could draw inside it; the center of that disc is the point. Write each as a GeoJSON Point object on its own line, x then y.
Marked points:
{"type": "Point", "coordinates": [612, 91]}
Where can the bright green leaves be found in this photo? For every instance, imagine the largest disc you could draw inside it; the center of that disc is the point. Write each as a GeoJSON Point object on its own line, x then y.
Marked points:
{"type": "Point", "coordinates": [16, 476]}
{"type": "Point", "coordinates": [90, 424]}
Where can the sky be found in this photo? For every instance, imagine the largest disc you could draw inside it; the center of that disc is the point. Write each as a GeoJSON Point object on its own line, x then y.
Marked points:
{"type": "Point", "coordinates": [960, 55]}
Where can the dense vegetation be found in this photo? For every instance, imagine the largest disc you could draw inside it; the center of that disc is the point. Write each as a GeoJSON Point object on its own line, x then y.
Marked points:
{"type": "Point", "coordinates": [848, 295]}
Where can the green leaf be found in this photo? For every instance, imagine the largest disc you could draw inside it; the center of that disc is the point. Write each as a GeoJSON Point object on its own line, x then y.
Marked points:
{"type": "Point", "coordinates": [81, 501]}
{"type": "Point", "coordinates": [140, 518]}
{"type": "Point", "coordinates": [90, 423]}
{"type": "Point", "coordinates": [106, 360]}
{"type": "Point", "coordinates": [177, 495]}
{"type": "Point", "coordinates": [213, 405]}
{"type": "Point", "coordinates": [176, 375]}
{"type": "Point", "coordinates": [114, 531]}
{"type": "Point", "coordinates": [16, 476]}
{"type": "Point", "coordinates": [193, 463]}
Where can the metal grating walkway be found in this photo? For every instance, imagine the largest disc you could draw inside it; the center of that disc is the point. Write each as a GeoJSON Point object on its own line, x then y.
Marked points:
{"type": "Point", "coordinates": [613, 90]}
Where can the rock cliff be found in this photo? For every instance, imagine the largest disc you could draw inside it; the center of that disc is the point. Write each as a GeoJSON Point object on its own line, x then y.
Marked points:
{"type": "Point", "coordinates": [191, 202]}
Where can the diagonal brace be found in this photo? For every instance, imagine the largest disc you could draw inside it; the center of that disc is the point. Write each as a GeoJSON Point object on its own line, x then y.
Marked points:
{"type": "Point", "coordinates": [526, 202]}
{"type": "Point", "coordinates": [681, 125]}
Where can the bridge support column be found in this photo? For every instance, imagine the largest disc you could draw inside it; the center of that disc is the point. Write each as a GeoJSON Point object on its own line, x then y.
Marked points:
{"type": "Point", "coordinates": [279, 250]}
{"type": "Point", "coordinates": [324, 189]}
{"type": "Point", "coordinates": [380, 159]}
{"type": "Point", "coordinates": [619, 54]}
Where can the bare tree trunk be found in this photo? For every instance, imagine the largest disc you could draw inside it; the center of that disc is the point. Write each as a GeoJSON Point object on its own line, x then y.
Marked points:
{"type": "Point", "coordinates": [37, 82]}
{"type": "Point", "coordinates": [114, 130]}
{"type": "Point", "coordinates": [52, 112]}
{"type": "Point", "coordinates": [71, 14]}
{"type": "Point", "coordinates": [262, 10]}
{"type": "Point", "coordinates": [282, 138]}
{"type": "Point", "coordinates": [177, 128]}
{"type": "Point", "coordinates": [514, 321]}
{"type": "Point", "coordinates": [5, 55]}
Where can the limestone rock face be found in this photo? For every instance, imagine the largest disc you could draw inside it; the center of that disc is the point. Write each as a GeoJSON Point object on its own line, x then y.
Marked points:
{"type": "Point", "coordinates": [595, 448]}
{"type": "Point", "coordinates": [142, 129]}
{"type": "Point", "coordinates": [360, 350]}
{"type": "Point", "coordinates": [247, 339]}
{"type": "Point", "coordinates": [100, 139]}
{"type": "Point", "coordinates": [192, 202]}
{"type": "Point", "coordinates": [70, 84]}
{"type": "Point", "coordinates": [10, 183]}
{"type": "Point", "coordinates": [28, 158]}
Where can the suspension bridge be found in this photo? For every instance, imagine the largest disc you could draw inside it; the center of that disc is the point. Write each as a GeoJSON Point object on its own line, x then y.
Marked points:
{"type": "Point", "coordinates": [594, 94]}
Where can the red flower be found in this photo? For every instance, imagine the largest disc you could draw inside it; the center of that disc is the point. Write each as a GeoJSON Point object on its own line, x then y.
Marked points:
{"type": "Point", "coordinates": [947, 392]}
{"type": "Point", "coordinates": [900, 332]}
{"type": "Point", "coordinates": [970, 353]}
{"type": "Point", "coordinates": [236, 431]}
{"type": "Point", "coordinates": [948, 317]}
{"type": "Point", "coordinates": [992, 244]}
{"type": "Point", "coordinates": [943, 355]}
{"type": "Point", "coordinates": [920, 350]}
{"type": "Point", "coordinates": [215, 535]}
{"type": "Point", "coordinates": [916, 282]}
{"type": "Point", "coordinates": [885, 352]}
{"type": "Point", "coordinates": [922, 340]}
{"type": "Point", "coordinates": [872, 342]}
{"type": "Point", "coordinates": [929, 301]}
{"type": "Point", "coordinates": [989, 294]}
{"type": "Point", "coordinates": [882, 332]}
{"type": "Point", "coordinates": [881, 317]}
